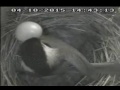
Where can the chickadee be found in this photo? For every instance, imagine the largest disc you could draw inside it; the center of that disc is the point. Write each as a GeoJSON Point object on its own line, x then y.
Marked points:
{"type": "Point", "coordinates": [41, 54]}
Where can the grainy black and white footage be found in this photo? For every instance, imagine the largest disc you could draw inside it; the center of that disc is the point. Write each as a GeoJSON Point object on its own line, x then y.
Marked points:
{"type": "Point", "coordinates": [79, 46]}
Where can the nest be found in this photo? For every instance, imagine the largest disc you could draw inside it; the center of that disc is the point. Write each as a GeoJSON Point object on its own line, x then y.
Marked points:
{"type": "Point", "coordinates": [107, 29]}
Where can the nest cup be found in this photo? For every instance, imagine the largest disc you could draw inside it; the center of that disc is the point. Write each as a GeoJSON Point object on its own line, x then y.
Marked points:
{"type": "Point", "coordinates": [91, 23]}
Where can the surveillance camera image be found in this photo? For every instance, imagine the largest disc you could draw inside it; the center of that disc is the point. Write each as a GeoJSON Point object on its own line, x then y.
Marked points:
{"type": "Point", "coordinates": [60, 46]}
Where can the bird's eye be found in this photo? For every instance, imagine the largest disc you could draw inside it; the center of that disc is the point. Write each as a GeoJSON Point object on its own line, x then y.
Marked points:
{"type": "Point", "coordinates": [47, 44]}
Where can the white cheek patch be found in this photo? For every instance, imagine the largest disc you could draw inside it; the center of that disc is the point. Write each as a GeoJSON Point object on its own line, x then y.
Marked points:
{"type": "Point", "coordinates": [26, 68]}
{"type": "Point", "coordinates": [52, 55]}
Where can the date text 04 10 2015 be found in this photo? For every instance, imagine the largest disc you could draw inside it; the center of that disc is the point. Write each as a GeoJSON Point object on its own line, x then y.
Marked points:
{"type": "Point", "coordinates": [67, 9]}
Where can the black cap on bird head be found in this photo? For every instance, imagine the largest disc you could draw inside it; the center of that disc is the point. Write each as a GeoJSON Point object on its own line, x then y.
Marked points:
{"type": "Point", "coordinates": [33, 55]}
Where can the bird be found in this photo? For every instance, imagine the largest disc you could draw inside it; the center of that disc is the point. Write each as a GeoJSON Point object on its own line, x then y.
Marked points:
{"type": "Point", "coordinates": [44, 54]}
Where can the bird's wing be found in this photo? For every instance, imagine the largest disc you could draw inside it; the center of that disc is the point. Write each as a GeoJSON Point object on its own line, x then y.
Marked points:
{"type": "Point", "coordinates": [71, 55]}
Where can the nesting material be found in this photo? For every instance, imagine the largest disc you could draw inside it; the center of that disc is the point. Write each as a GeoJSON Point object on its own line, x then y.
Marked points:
{"type": "Point", "coordinates": [104, 48]}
